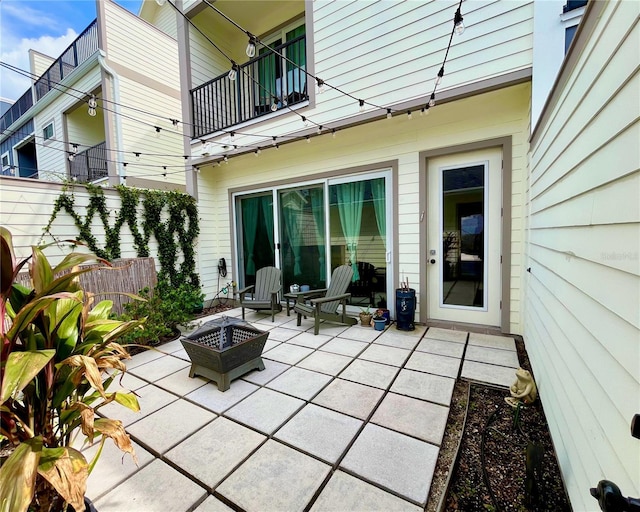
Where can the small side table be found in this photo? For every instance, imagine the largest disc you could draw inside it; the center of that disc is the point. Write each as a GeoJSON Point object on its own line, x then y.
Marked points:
{"type": "Point", "coordinates": [288, 297]}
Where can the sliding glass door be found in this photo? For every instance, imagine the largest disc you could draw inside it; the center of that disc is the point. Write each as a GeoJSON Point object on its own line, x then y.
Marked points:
{"type": "Point", "coordinates": [310, 229]}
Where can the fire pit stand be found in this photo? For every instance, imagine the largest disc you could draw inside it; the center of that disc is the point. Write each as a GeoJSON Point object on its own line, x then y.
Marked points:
{"type": "Point", "coordinates": [224, 349]}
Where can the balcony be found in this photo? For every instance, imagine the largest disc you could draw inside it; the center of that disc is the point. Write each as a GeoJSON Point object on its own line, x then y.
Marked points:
{"type": "Point", "coordinates": [85, 45]}
{"type": "Point", "coordinates": [90, 165]}
{"type": "Point", "coordinates": [263, 85]}
{"type": "Point", "coordinates": [24, 103]}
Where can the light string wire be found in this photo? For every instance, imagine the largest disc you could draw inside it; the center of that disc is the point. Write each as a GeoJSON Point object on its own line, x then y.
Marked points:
{"type": "Point", "coordinates": [256, 147]}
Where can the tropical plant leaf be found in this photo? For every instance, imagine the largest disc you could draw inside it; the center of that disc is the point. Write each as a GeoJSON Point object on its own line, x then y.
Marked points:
{"type": "Point", "coordinates": [20, 370]}
{"type": "Point", "coordinates": [88, 369]}
{"type": "Point", "coordinates": [41, 273]}
{"type": "Point", "coordinates": [29, 312]}
{"type": "Point", "coordinates": [64, 323]}
{"type": "Point", "coordinates": [7, 262]}
{"type": "Point", "coordinates": [128, 399]}
{"type": "Point", "coordinates": [67, 472]}
{"type": "Point", "coordinates": [100, 311]}
{"type": "Point", "coordinates": [18, 476]}
{"type": "Point", "coordinates": [115, 430]}
{"type": "Point", "coordinates": [77, 258]}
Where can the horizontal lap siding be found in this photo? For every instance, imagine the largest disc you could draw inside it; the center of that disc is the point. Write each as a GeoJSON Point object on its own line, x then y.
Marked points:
{"type": "Point", "coordinates": [148, 76]}
{"type": "Point", "coordinates": [492, 115]}
{"type": "Point", "coordinates": [582, 301]}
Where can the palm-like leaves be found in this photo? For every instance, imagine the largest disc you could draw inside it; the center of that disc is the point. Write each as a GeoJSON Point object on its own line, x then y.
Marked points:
{"type": "Point", "coordinates": [56, 350]}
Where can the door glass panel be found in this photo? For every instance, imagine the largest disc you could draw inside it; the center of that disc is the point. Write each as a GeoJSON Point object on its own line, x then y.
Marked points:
{"type": "Point", "coordinates": [463, 240]}
{"type": "Point", "coordinates": [269, 75]}
{"type": "Point", "coordinates": [357, 216]}
{"type": "Point", "coordinates": [302, 246]}
{"type": "Point", "coordinates": [256, 236]}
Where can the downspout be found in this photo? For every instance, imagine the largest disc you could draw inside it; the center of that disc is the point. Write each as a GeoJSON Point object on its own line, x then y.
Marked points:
{"type": "Point", "coordinates": [115, 85]}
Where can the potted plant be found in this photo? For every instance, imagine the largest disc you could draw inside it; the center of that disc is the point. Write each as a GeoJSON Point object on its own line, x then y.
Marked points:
{"type": "Point", "coordinates": [379, 320]}
{"type": "Point", "coordinates": [57, 348]}
{"type": "Point", "coordinates": [365, 316]}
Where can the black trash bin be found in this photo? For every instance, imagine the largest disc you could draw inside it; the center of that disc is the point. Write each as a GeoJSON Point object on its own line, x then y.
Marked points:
{"type": "Point", "coordinates": [405, 309]}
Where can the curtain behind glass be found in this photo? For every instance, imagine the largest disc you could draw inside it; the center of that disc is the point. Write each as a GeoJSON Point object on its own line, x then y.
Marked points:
{"type": "Point", "coordinates": [377, 192]}
{"type": "Point", "coordinates": [350, 199]}
{"type": "Point", "coordinates": [317, 204]}
{"type": "Point", "coordinates": [250, 208]}
{"type": "Point", "coordinates": [267, 213]}
{"type": "Point", "coordinates": [291, 212]}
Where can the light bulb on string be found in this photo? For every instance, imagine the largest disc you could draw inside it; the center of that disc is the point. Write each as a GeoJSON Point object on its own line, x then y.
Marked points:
{"type": "Point", "coordinates": [71, 156]}
{"type": "Point", "coordinates": [305, 121]}
{"type": "Point", "coordinates": [432, 100]}
{"type": "Point", "coordinates": [319, 130]}
{"type": "Point", "coordinates": [409, 114]}
{"type": "Point", "coordinates": [233, 72]}
{"type": "Point", "coordinates": [251, 46]}
{"type": "Point", "coordinates": [389, 116]}
{"type": "Point", "coordinates": [257, 152]}
{"type": "Point", "coordinates": [158, 129]}
{"type": "Point", "coordinates": [274, 106]}
{"type": "Point", "coordinates": [93, 103]}
{"type": "Point", "coordinates": [274, 143]}
{"type": "Point", "coordinates": [232, 137]}
{"type": "Point", "coordinates": [440, 75]}
{"type": "Point", "coordinates": [137, 155]}
{"type": "Point", "coordinates": [226, 159]}
{"type": "Point", "coordinates": [361, 103]}
{"type": "Point", "coordinates": [174, 122]}
{"type": "Point", "coordinates": [308, 140]}
{"type": "Point", "coordinates": [333, 133]}
{"type": "Point", "coordinates": [161, 2]}
{"type": "Point", "coordinates": [320, 83]}
{"type": "Point", "coordinates": [426, 110]}
{"type": "Point", "coordinates": [458, 24]}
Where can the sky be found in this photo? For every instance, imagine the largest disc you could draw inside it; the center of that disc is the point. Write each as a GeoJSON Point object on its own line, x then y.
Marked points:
{"type": "Point", "coordinates": [48, 26]}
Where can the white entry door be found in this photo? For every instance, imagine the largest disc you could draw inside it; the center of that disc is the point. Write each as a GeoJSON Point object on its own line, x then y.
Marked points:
{"type": "Point", "coordinates": [463, 237]}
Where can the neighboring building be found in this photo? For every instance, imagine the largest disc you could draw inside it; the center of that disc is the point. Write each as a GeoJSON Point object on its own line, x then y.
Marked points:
{"type": "Point", "coordinates": [55, 132]}
{"type": "Point", "coordinates": [449, 201]}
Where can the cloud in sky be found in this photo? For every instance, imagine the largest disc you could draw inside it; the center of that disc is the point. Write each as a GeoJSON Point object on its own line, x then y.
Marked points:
{"type": "Point", "coordinates": [47, 26]}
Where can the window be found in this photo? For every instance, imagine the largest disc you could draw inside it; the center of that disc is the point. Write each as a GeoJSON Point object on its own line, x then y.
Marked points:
{"type": "Point", "coordinates": [6, 164]}
{"type": "Point", "coordinates": [574, 4]}
{"type": "Point", "coordinates": [47, 132]}
{"type": "Point", "coordinates": [569, 33]}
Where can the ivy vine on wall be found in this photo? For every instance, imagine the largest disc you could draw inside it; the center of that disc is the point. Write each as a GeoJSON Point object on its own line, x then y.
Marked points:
{"type": "Point", "coordinates": [170, 217]}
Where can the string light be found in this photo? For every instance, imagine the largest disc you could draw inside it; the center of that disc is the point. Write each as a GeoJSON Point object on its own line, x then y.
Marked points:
{"type": "Point", "coordinates": [158, 129]}
{"type": "Point", "coordinates": [233, 71]}
{"type": "Point", "coordinates": [432, 100]}
{"type": "Point", "coordinates": [319, 130]}
{"type": "Point", "coordinates": [439, 77]}
{"type": "Point", "coordinates": [251, 46]}
{"type": "Point", "coordinates": [409, 114]}
{"type": "Point", "coordinates": [308, 140]}
{"type": "Point", "coordinates": [361, 103]}
{"type": "Point", "coordinates": [274, 141]}
{"type": "Point", "coordinates": [333, 133]}
{"type": "Point", "coordinates": [137, 155]}
{"type": "Point", "coordinates": [257, 152]}
{"type": "Point", "coordinates": [304, 121]}
{"type": "Point", "coordinates": [389, 116]}
{"type": "Point", "coordinates": [93, 103]}
{"type": "Point", "coordinates": [320, 83]}
{"type": "Point", "coordinates": [174, 122]}
{"type": "Point", "coordinates": [458, 23]}
{"type": "Point", "coordinates": [274, 105]}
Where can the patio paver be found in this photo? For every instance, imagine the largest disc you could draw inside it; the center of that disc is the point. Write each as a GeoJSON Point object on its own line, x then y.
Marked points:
{"type": "Point", "coordinates": [212, 398]}
{"type": "Point", "coordinates": [215, 450]}
{"type": "Point", "coordinates": [282, 334]}
{"type": "Point", "coordinates": [276, 477]}
{"type": "Point", "coordinates": [441, 347]}
{"type": "Point", "coordinates": [433, 363]}
{"type": "Point", "coordinates": [344, 346]}
{"type": "Point", "coordinates": [156, 486]}
{"type": "Point", "coordinates": [446, 334]}
{"type": "Point", "coordinates": [345, 492]}
{"type": "Point", "coordinates": [370, 373]}
{"type": "Point", "coordinates": [350, 398]}
{"type": "Point", "coordinates": [417, 418]}
{"type": "Point", "coordinates": [359, 333]}
{"type": "Point", "coordinates": [492, 356]}
{"type": "Point", "coordinates": [387, 355]}
{"type": "Point", "coordinates": [492, 341]}
{"type": "Point", "coordinates": [150, 398]}
{"type": "Point", "coordinates": [320, 432]}
{"type": "Point", "coordinates": [309, 340]}
{"type": "Point", "coordinates": [159, 368]}
{"type": "Point", "coordinates": [265, 410]}
{"type": "Point", "coordinates": [300, 383]}
{"type": "Point", "coordinates": [434, 388]}
{"type": "Point", "coordinates": [489, 373]}
{"type": "Point", "coordinates": [180, 383]}
{"type": "Point", "coordinates": [213, 504]}
{"type": "Point", "coordinates": [271, 370]}
{"type": "Point", "coordinates": [394, 461]}
{"type": "Point", "coordinates": [287, 353]}
{"type": "Point", "coordinates": [325, 362]}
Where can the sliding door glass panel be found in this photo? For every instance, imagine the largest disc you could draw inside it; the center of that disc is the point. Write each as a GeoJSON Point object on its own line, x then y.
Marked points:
{"type": "Point", "coordinates": [269, 75]}
{"type": "Point", "coordinates": [463, 229]}
{"type": "Point", "coordinates": [357, 221]}
{"type": "Point", "coordinates": [256, 243]}
{"type": "Point", "coordinates": [302, 237]}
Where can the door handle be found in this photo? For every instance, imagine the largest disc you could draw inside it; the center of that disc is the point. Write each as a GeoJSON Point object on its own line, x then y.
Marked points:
{"type": "Point", "coordinates": [432, 261]}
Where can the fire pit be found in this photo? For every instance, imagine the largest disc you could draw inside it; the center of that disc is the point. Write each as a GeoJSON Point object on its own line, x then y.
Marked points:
{"type": "Point", "coordinates": [224, 349]}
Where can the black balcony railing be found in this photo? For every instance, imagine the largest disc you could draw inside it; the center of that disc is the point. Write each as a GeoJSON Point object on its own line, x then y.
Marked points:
{"type": "Point", "coordinates": [24, 103]}
{"type": "Point", "coordinates": [85, 45]}
{"type": "Point", "coordinates": [262, 85]}
{"type": "Point", "coordinates": [90, 165]}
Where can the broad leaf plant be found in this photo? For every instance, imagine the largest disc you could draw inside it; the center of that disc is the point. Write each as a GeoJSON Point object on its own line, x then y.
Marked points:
{"type": "Point", "coordinates": [59, 356]}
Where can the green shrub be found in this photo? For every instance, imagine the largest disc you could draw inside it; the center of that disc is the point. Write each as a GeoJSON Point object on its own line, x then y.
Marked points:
{"type": "Point", "coordinates": [164, 310]}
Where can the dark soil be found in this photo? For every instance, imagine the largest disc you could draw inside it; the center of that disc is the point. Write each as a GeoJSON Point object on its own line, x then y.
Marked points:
{"type": "Point", "coordinates": [506, 461]}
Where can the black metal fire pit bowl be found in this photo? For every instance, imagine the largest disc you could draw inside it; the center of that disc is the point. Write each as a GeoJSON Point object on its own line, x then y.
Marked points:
{"type": "Point", "coordinates": [224, 349]}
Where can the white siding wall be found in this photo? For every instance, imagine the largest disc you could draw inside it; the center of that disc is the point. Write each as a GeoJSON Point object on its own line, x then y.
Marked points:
{"type": "Point", "coordinates": [146, 60]}
{"type": "Point", "coordinates": [39, 62]}
{"type": "Point", "coordinates": [582, 320]}
{"type": "Point", "coordinates": [488, 116]}
{"type": "Point", "coordinates": [51, 154]}
{"type": "Point", "coordinates": [26, 208]}
{"type": "Point", "coordinates": [390, 52]}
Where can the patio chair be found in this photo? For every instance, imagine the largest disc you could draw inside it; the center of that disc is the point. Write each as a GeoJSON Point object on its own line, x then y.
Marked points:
{"type": "Point", "coordinates": [264, 294]}
{"type": "Point", "coordinates": [323, 304]}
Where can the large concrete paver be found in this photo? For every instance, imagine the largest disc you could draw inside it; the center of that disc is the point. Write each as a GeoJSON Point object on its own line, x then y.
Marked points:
{"type": "Point", "coordinates": [345, 492]}
{"type": "Point", "coordinates": [210, 397]}
{"type": "Point", "coordinates": [394, 461]}
{"type": "Point", "coordinates": [441, 347]}
{"type": "Point", "coordinates": [150, 398]}
{"type": "Point", "coordinates": [425, 386]}
{"type": "Point", "coordinates": [488, 373]}
{"type": "Point", "coordinates": [344, 347]}
{"type": "Point", "coordinates": [325, 362]}
{"type": "Point", "coordinates": [276, 478]}
{"type": "Point", "coordinates": [215, 450]}
{"type": "Point", "coordinates": [300, 383]}
{"type": "Point", "coordinates": [369, 373]}
{"type": "Point", "coordinates": [287, 353]}
{"type": "Point", "coordinates": [433, 363]}
{"type": "Point", "coordinates": [265, 410]}
{"type": "Point", "coordinates": [384, 354]}
{"type": "Point", "coordinates": [159, 368]}
{"type": "Point", "coordinates": [320, 432]}
{"type": "Point", "coordinates": [492, 356]}
{"type": "Point", "coordinates": [492, 341]}
{"type": "Point", "coordinates": [446, 334]}
{"type": "Point", "coordinates": [349, 398]}
{"type": "Point", "coordinates": [155, 488]}
{"type": "Point", "coordinates": [411, 416]}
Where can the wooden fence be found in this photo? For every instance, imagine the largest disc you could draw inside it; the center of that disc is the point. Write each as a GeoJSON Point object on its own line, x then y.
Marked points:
{"type": "Point", "coordinates": [127, 275]}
